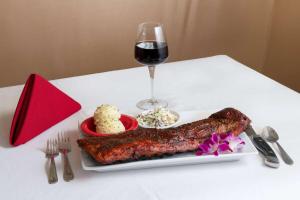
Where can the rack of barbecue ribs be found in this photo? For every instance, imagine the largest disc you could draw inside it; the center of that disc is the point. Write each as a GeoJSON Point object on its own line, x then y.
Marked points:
{"type": "Point", "coordinates": [149, 143]}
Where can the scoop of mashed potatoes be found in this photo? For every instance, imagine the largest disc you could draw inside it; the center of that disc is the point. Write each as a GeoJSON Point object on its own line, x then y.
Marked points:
{"type": "Point", "coordinates": [106, 112]}
{"type": "Point", "coordinates": [106, 119]}
{"type": "Point", "coordinates": [112, 127]}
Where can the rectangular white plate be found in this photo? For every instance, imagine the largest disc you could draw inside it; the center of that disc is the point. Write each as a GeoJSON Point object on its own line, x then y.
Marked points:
{"type": "Point", "coordinates": [88, 163]}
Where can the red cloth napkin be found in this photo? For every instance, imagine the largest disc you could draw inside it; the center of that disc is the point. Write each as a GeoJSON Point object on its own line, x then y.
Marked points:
{"type": "Point", "coordinates": [40, 106]}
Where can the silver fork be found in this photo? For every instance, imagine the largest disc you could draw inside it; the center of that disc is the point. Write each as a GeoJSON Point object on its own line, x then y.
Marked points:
{"type": "Point", "coordinates": [64, 146]}
{"type": "Point", "coordinates": [51, 152]}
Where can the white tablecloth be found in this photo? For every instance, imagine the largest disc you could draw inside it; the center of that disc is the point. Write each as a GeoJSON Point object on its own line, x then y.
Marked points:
{"type": "Point", "coordinates": [201, 84]}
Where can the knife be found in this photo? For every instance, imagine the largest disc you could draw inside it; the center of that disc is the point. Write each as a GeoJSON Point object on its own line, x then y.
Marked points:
{"type": "Point", "coordinates": [262, 146]}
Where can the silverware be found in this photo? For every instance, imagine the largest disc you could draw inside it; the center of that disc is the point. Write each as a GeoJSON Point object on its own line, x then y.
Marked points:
{"type": "Point", "coordinates": [64, 145]}
{"type": "Point", "coordinates": [51, 152]}
{"type": "Point", "coordinates": [270, 135]}
{"type": "Point", "coordinates": [262, 146]}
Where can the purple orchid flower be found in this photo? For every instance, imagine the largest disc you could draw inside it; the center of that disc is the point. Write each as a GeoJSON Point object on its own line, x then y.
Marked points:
{"type": "Point", "coordinates": [219, 143]}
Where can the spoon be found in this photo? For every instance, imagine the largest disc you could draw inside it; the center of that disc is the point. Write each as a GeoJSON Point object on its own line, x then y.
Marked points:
{"type": "Point", "coordinates": [270, 135]}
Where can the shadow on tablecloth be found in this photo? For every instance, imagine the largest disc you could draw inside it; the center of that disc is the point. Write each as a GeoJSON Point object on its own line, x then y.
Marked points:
{"type": "Point", "coordinates": [5, 122]}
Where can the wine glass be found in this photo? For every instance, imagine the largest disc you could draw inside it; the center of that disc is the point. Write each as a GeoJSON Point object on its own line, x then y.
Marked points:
{"type": "Point", "coordinates": [151, 49]}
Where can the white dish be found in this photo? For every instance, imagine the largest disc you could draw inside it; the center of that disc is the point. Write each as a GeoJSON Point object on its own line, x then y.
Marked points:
{"type": "Point", "coordinates": [164, 127]}
{"type": "Point", "coordinates": [189, 158]}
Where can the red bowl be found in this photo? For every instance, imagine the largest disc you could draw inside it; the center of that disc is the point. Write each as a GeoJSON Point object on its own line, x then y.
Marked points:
{"type": "Point", "coordinates": [89, 128]}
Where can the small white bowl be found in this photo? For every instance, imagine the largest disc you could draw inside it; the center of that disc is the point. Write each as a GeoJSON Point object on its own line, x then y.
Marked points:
{"type": "Point", "coordinates": [164, 127]}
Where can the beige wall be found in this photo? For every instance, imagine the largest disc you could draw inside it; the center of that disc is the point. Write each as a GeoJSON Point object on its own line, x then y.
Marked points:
{"type": "Point", "coordinates": [72, 37]}
{"type": "Point", "coordinates": [283, 57]}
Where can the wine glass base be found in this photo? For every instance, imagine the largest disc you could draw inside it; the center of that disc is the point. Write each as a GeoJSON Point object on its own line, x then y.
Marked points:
{"type": "Point", "coordinates": [150, 104]}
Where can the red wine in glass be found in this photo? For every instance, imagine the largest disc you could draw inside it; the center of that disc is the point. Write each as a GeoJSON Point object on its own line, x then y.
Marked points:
{"type": "Point", "coordinates": [151, 52]}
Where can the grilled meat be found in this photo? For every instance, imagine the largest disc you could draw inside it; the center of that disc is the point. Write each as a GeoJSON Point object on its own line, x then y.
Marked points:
{"type": "Point", "coordinates": [147, 143]}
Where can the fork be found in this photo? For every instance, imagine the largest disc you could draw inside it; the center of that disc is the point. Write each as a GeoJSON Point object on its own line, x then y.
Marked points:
{"type": "Point", "coordinates": [51, 153]}
{"type": "Point", "coordinates": [64, 146]}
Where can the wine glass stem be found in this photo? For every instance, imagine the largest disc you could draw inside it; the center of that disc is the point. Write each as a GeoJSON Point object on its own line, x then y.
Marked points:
{"type": "Point", "coordinates": [151, 69]}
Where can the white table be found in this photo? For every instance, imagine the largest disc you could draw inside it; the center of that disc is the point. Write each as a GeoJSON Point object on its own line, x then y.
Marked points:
{"type": "Point", "coordinates": [200, 84]}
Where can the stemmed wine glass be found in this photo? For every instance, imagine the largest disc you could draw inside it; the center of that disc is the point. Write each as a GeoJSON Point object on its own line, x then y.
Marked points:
{"type": "Point", "coordinates": [151, 49]}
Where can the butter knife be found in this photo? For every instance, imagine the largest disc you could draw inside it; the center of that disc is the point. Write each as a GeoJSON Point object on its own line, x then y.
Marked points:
{"type": "Point", "coordinates": [263, 147]}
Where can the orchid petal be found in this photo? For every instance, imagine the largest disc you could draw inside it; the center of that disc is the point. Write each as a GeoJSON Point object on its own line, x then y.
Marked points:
{"type": "Point", "coordinates": [215, 138]}
{"type": "Point", "coordinates": [216, 153]}
{"type": "Point", "coordinates": [224, 147]}
{"type": "Point", "coordinates": [204, 147]}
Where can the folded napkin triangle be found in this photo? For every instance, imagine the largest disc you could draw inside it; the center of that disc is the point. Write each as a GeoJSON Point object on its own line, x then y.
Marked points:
{"type": "Point", "coordinates": [41, 105]}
